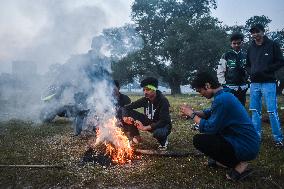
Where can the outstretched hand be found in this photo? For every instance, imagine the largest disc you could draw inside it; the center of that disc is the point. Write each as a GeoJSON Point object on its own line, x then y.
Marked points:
{"type": "Point", "coordinates": [185, 110]}
{"type": "Point", "coordinates": [136, 123]}
{"type": "Point", "coordinates": [128, 120]}
{"type": "Point", "coordinates": [139, 125]}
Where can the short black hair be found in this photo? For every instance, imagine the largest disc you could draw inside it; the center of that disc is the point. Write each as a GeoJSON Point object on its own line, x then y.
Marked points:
{"type": "Point", "coordinates": [201, 78]}
{"type": "Point", "coordinates": [149, 81]}
{"type": "Point", "coordinates": [116, 83]}
{"type": "Point", "coordinates": [257, 27]}
{"type": "Point", "coordinates": [237, 36]}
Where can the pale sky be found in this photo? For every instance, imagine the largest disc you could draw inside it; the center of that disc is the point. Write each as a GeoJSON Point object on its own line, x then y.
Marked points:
{"type": "Point", "coordinates": [50, 31]}
{"type": "Point", "coordinates": [233, 12]}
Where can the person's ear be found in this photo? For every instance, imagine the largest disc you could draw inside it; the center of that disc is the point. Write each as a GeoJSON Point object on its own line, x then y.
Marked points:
{"type": "Point", "coordinates": [207, 86]}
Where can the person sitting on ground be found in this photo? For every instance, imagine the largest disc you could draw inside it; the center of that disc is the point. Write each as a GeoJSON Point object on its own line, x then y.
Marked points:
{"type": "Point", "coordinates": [227, 134]}
{"type": "Point", "coordinates": [156, 118]}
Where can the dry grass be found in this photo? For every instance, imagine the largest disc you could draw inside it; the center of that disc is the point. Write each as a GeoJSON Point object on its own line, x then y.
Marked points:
{"type": "Point", "coordinates": [53, 144]}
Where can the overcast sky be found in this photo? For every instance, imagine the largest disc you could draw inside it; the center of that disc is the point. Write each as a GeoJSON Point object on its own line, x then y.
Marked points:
{"type": "Point", "coordinates": [233, 12]}
{"type": "Point", "coordinates": [49, 31]}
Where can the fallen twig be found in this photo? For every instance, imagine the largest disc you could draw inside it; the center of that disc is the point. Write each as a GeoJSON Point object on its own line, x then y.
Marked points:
{"type": "Point", "coordinates": [33, 166]}
{"type": "Point", "coordinates": [168, 153]}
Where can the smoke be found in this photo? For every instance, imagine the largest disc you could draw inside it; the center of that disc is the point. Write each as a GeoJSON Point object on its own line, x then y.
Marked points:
{"type": "Point", "coordinates": [49, 31]}
{"type": "Point", "coordinates": [45, 44]}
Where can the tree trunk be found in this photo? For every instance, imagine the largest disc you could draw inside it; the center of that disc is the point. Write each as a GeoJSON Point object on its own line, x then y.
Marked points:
{"type": "Point", "coordinates": [175, 87]}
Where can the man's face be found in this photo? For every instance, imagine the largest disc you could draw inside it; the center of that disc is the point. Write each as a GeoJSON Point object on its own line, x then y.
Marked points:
{"type": "Point", "coordinates": [236, 44]}
{"type": "Point", "coordinates": [149, 93]}
{"type": "Point", "coordinates": [257, 34]}
{"type": "Point", "coordinates": [205, 91]}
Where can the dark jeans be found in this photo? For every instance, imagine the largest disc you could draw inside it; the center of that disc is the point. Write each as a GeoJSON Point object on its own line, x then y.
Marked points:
{"type": "Point", "coordinates": [160, 134]}
{"type": "Point", "coordinates": [217, 148]}
{"type": "Point", "coordinates": [241, 95]}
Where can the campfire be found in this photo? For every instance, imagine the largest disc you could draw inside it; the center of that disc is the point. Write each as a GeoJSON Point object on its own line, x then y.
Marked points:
{"type": "Point", "coordinates": [111, 143]}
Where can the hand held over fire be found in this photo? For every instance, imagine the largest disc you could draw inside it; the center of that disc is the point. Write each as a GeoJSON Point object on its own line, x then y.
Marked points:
{"type": "Point", "coordinates": [139, 125]}
{"type": "Point", "coordinates": [128, 120]}
{"type": "Point", "coordinates": [136, 123]}
{"type": "Point", "coordinates": [185, 110]}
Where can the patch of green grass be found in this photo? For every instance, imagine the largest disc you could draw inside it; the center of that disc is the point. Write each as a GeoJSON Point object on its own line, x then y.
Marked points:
{"type": "Point", "coordinates": [53, 144]}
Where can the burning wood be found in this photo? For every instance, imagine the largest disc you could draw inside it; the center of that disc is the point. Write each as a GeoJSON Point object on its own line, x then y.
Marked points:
{"type": "Point", "coordinates": [113, 147]}
{"type": "Point", "coordinates": [112, 142]}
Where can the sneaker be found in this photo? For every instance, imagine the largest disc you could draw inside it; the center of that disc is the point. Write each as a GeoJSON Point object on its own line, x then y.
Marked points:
{"type": "Point", "coordinates": [279, 145]}
{"type": "Point", "coordinates": [164, 147]}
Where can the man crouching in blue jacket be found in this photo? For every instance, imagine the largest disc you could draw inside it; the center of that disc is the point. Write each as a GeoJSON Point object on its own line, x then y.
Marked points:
{"type": "Point", "coordinates": [228, 136]}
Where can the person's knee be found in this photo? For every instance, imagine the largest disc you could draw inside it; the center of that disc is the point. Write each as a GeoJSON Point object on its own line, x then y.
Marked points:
{"type": "Point", "coordinates": [160, 133]}
{"type": "Point", "coordinates": [272, 113]}
{"type": "Point", "coordinates": [255, 111]}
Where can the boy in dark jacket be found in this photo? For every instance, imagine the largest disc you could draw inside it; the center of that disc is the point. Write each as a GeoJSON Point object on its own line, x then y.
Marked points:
{"type": "Point", "coordinates": [264, 58]}
{"type": "Point", "coordinates": [156, 118]}
{"type": "Point", "coordinates": [231, 70]}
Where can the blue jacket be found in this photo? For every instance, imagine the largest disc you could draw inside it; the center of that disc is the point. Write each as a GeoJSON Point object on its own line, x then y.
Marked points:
{"type": "Point", "coordinates": [228, 117]}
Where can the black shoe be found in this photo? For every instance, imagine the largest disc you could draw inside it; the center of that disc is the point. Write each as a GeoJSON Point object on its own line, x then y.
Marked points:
{"type": "Point", "coordinates": [235, 176]}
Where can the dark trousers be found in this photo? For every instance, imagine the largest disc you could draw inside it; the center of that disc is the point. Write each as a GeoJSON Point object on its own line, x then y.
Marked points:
{"type": "Point", "coordinates": [241, 95]}
{"type": "Point", "coordinates": [217, 148]}
{"type": "Point", "coordinates": [160, 134]}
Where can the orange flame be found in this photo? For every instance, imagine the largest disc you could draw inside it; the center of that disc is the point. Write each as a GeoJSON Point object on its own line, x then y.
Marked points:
{"type": "Point", "coordinates": [117, 143]}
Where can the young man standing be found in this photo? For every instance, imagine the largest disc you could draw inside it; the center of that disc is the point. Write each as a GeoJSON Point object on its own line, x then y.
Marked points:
{"type": "Point", "coordinates": [156, 118]}
{"type": "Point", "coordinates": [231, 70]}
{"type": "Point", "coordinates": [264, 57]}
{"type": "Point", "coordinates": [228, 136]}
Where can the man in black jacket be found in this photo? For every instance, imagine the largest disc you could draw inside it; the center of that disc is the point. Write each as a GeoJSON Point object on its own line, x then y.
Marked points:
{"type": "Point", "coordinates": [156, 118]}
{"type": "Point", "coordinates": [264, 57]}
{"type": "Point", "coordinates": [231, 70]}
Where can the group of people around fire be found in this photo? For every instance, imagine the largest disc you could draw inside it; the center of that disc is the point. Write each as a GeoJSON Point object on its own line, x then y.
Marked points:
{"type": "Point", "coordinates": [228, 136]}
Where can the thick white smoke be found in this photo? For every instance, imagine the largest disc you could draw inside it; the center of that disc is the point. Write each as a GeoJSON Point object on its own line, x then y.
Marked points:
{"type": "Point", "coordinates": [48, 43]}
{"type": "Point", "coordinates": [49, 31]}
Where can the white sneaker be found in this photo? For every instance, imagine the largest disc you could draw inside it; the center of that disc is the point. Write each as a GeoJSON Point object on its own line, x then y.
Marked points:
{"type": "Point", "coordinates": [165, 146]}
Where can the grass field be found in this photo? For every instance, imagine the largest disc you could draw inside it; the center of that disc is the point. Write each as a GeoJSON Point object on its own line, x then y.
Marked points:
{"type": "Point", "coordinates": [29, 143]}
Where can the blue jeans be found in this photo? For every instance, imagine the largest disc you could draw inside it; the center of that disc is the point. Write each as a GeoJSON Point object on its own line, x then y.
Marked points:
{"type": "Point", "coordinates": [268, 91]}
